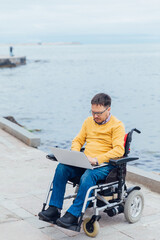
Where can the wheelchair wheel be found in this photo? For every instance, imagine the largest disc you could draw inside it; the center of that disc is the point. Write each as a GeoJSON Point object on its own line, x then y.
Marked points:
{"type": "Point", "coordinates": [91, 229]}
{"type": "Point", "coordinates": [134, 206]}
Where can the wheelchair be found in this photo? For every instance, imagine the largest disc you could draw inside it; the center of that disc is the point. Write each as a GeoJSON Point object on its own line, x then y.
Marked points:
{"type": "Point", "coordinates": [110, 196]}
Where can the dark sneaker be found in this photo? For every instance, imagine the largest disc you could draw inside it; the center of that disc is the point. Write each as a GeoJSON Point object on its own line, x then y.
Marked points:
{"type": "Point", "coordinates": [67, 220]}
{"type": "Point", "coordinates": [50, 215]}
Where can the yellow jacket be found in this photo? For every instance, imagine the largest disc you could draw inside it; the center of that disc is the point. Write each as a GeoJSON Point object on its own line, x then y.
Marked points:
{"type": "Point", "coordinates": [102, 141]}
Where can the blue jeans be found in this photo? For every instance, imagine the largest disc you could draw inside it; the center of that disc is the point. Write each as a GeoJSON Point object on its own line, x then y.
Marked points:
{"type": "Point", "coordinates": [88, 178]}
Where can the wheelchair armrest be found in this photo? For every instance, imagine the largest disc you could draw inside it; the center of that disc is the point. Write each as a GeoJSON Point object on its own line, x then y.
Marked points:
{"type": "Point", "coordinates": [51, 157]}
{"type": "Point", "coordinates": [119, 161]}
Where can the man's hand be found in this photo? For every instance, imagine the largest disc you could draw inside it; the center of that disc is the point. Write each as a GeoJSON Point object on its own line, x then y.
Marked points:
{"type": "Point", "coordinates": [93, 161]}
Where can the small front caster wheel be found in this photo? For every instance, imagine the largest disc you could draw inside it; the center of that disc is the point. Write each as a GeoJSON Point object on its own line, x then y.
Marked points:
{"type": "Point", "coordinates": [134, 206]}
{"type": "Point", "coordinates": [91, 229]}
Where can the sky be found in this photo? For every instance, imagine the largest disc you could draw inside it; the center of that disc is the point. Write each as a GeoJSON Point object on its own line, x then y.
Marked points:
{"type": "Point", "coordinates": [84, 20]}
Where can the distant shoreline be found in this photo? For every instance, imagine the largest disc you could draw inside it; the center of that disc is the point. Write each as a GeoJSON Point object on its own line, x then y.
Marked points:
{"type": "Point", "coordinates": [75, 43]}
{"type": "Point", "coordinates": [39, 44]}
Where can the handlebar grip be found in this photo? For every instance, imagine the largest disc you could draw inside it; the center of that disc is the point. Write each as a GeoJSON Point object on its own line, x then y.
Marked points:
{"type": "Point", "coordinates": [136, 130]}
{"type": "Point", "coordinates": [51, 157]}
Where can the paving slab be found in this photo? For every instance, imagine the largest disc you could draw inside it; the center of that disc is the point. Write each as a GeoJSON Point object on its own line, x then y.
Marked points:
{"type": "Point", "coordinates": [7, 216]}
{"type": "Point", "coordinates": [25, 177]}
{"type": "Point", "coordinates": [21, 230]}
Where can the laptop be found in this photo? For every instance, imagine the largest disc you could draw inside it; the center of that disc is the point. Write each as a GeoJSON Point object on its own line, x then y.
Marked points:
{"type": "Point", "coordinates": [73, 158]}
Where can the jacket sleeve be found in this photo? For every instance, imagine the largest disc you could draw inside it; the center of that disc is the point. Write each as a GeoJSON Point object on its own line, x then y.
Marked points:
{"type": "Point", "coordinates": [80, 139]}
{"type": "Point", "coordinates": [117, 145]}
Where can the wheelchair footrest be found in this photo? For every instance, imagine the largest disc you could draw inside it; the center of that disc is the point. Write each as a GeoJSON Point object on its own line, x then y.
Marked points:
{"type": "Point", "coordinates": [75, 227]}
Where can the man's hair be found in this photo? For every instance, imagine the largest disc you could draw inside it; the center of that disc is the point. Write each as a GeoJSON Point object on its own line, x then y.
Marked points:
{"type": "Point", "coordinates": [101, 99]}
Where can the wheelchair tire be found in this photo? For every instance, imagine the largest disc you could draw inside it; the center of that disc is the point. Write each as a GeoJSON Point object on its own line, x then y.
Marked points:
{"type": "Point", "coordinates": [90, 230]}
{"type": "Point", "coordinates": [134, 206]}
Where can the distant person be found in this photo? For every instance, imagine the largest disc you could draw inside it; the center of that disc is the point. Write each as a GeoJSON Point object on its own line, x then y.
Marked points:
{"type": "Point", "coordinates": [11, 51]}
{"type": "Point", "coordinates": [104, 137]}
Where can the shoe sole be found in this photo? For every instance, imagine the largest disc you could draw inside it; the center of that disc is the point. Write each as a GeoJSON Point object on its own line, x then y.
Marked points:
{"type": "Point", "coordinates": [64, 225]}
{"type": "Point", "coordinates": [46, 219]}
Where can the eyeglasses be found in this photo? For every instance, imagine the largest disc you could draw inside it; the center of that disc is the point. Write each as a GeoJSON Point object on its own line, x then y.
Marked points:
{"type": "Point", "coordinates": [98, 113]}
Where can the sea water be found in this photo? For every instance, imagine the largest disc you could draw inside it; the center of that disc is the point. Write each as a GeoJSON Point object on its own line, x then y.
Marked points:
{"type": "Point", "coordinates": [52, 92]}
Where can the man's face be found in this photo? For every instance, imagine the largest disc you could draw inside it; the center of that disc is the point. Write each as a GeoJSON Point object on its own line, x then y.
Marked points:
{"type": "Point", "coordinates": [100, 113]}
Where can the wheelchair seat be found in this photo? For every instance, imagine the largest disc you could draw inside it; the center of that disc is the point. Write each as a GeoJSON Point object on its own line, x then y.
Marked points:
{"type": "Point", "coordinates": [111, 177]}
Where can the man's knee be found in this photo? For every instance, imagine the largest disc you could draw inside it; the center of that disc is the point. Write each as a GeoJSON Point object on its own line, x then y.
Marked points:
{"type": "Point", "coordinates": [61, 169]}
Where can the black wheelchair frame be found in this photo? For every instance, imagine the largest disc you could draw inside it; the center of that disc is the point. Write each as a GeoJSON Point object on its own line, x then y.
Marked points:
{"type": "Point", "coordinates": [110, 196]}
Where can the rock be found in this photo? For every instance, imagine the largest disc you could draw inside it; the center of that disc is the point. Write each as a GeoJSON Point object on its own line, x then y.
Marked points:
{"type": "Point", "coordinates": [12, 119]}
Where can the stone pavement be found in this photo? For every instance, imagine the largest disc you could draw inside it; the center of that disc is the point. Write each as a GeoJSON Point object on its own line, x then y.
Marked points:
{"type": "Point", "coordinates": [25, 174]}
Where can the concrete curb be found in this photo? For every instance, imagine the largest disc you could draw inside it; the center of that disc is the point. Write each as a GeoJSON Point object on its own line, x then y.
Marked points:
{"type": "Point", "coordinates": [19, 132]}
{"type": "Point", "coordinates": [148, 179]}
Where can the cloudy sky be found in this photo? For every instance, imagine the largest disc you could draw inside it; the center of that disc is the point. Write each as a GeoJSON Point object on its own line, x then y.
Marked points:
{"type": "Point", "coordinates": [49, 20]}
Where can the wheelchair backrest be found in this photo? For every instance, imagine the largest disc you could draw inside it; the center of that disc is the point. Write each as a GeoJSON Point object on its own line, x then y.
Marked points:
{"type": "Point", "coordinates": [127, 141]}
{"type": "Point", "coordinates": [114, 174]}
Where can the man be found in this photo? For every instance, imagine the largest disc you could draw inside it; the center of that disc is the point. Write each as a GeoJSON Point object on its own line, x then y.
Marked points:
{"type": "Point", "coordinates": [11, 51]}
{"type": "Point", "coordinates": [104, 138]}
